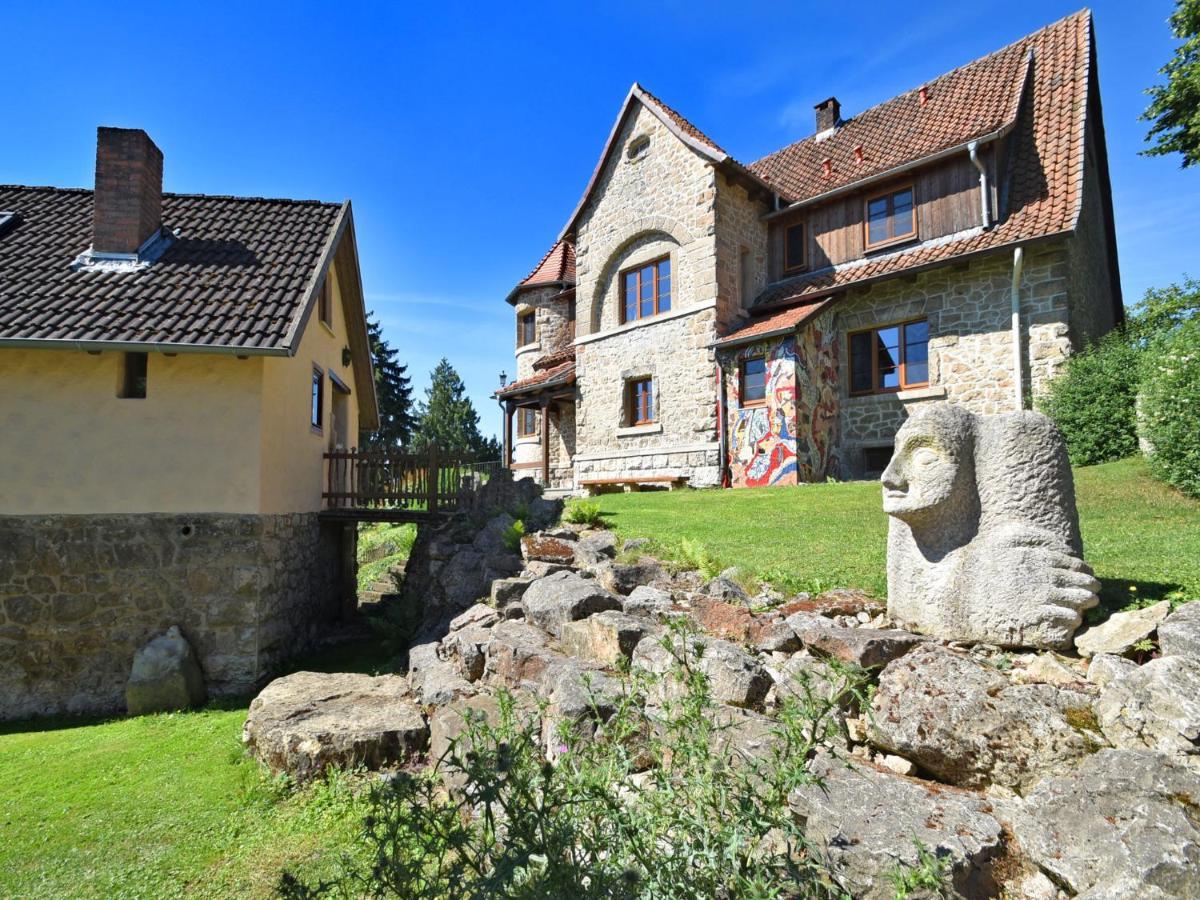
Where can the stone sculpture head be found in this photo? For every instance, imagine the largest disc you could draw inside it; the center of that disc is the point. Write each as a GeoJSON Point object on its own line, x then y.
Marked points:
{"type": "Point", "coordinates": [983, 541]}
{"type": "Point", "coordinates": [932, 472]}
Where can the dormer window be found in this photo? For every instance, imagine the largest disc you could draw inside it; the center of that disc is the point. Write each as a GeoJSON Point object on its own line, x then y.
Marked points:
{"type": "Point", "coordinates": [890, 217]}
{"type": "Point", "coordinates": [646, 290]}
{"type": "Point", "coordinates": [794, 256]}
{"type": "Point", "coordinates": [638, 148]}
{"type": "Point", "coordinates": [526, 328]}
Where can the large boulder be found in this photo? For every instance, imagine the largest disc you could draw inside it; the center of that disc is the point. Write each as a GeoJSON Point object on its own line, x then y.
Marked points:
{"type": "Point", "coordinates": [735, 677]}
{"type": "Point", "coordinates": [866, 647]}
{"type": "Point", "coordinates": [1156, 706]}
{"type": "Point", "coordinates": [309, 721]}
{"type": "Point", "coordinates": [565, 597]}
{"type": "Point", "coordinates": [1179, 634]}
{"type": "Point", "coordinates": [518, 655]}
{"type": "Point", "coordinates": [165, 676]}
{"type": "Point", "coordinates": [606, 637]}
{"type": "Point", "coordinates": [434, 681]}
{"type": "Point", "coordinates": [1121, 630]}
{"type": "Point", "coordinates": [622, 578]}
{"type": "Point", "coordinates": [1125, 825]}
{"type": "Point", "coordinates": [968, 725]}
{"type": "Point", "coordinates": [645, 600]}
{"type": "Point", "coordinates": [865, 820]}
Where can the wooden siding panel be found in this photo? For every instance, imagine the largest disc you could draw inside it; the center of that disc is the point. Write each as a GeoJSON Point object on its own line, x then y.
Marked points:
{"type": "Point", "coordinates": [947, 198]}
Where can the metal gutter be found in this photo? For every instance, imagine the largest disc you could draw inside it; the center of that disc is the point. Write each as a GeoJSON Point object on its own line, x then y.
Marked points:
{"type": "Point", "coordinates": [139, 347]}
{"type": "Point", "coordinates": [892, 172]}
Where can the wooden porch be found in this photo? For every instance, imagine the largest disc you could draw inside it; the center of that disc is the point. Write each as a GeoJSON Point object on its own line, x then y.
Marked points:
{"type": "Point", "coordinates": [395, 486]}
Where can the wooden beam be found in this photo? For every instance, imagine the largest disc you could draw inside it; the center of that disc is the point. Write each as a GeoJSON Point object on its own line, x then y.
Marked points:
{"type": "Point", "coordinates": [545, 442]}
{"type": "Point", "coordinates": [508, 434]}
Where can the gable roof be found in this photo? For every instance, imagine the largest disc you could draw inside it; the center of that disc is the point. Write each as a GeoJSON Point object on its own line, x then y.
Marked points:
{"type": "Point", "coordinates": [976, 101]}
{"type": "Point", "coordinates": [1043, 186]}
{"type": "Point", "coordinates": [692, 136]}
{"type": "Point", "coordinates": [557, 267]}
{"type": "Point", "coordinates": [240, 275]}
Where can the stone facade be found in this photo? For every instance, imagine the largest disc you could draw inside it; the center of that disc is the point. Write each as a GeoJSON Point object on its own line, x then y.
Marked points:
{"type": "Point", "coordinates": [969, 310]}
{"type": "Point", "coordinates": [656, 196]}
{"type": "Point", "coordinates": [79, 594]}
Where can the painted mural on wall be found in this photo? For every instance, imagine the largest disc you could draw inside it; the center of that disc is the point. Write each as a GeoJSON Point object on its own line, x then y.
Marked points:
{"type": "Point", "coordinates": [790, 436]}
{"type": "Point", "coordinates": [762, 440]}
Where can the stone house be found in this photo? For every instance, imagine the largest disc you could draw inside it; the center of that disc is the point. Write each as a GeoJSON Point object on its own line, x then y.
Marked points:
{"type": "Point", "coordinates": [176, 365]}
{"type": "Point", "coordinates": [706, 322]}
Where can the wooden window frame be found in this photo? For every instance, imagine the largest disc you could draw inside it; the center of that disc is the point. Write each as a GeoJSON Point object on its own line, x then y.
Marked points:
{"type": "Point", "coordinates": [904, 385]}
{"type": "Point", "coordinates": [530, 316]}
{"type": "Point", "coordinates": [889, 194]}
{"type": "Point", "coordinates": [742, 401]}
{"type": "Point", "coordinates": [789, 266]}
{"type": "Point", "coordinates": [521, 432]}
{"type": "Point", "coordinates": [325, 304]}
{"type": "Point", "coordinates": [317, 421]}
{"type": "Point", "coordinates": [656, 262]}
{"type": "Point", "coordinates": [633, 413]}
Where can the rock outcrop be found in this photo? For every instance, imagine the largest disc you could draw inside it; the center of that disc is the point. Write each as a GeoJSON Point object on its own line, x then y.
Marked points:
{"type": "Point", "coordinates": [165, 676]}
{"type": "Point", "coordinates": [306, 722]}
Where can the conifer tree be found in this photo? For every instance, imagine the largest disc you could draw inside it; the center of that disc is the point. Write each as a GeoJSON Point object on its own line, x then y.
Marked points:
{"type": "Point", "coordinates": [393, 388]}
{"type": "Point", "coordinates": [448, 420]}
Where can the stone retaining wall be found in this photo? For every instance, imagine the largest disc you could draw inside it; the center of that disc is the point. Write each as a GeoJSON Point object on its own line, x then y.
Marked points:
{"type": "Point", "coordinates": [79, 594]}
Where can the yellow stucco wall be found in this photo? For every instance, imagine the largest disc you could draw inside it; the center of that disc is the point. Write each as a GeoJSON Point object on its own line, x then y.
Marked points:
{"type": "Point", "coordinates": [292, 463]}
{"type": "Point", "coordinates": [214, 433]}
{"type": "Point", "coordinates": [69, 444]}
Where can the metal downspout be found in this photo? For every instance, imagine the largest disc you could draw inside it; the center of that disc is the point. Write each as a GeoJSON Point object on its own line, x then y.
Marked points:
{"type": "Point", "coordinates": [1018, 267]}
{"type": "Point", "coordinates": [973, 150]}
{"type": "Point", "coordinates": [722, 426]}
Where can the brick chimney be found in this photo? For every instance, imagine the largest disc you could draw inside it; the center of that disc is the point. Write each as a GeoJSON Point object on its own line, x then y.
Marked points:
{"type": "Point", "coordinates": [829, 114]}
{"type": "Point", "coordinates": [127, 207]}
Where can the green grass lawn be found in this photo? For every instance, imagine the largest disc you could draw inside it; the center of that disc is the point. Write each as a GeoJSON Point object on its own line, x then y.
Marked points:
{"type": "Point", "coordinates": [169, 805]}
{"type": "Point", "coordinates": [161, 806]}
{"type": "Point", "coordinates": [1141, 537]}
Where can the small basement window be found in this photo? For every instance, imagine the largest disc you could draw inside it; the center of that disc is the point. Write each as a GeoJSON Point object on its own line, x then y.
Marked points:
{"type": "Point", "coordinates": [876, 459]}
{"type": "Point", "coordinates": [753, 388]}
{"type": "Point", "coordinates": [133, 376]}
{"type": "Point", "coordinates": [318, 398]}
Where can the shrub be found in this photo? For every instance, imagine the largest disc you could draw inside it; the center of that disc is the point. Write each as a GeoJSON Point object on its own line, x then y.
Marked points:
{"type": "Point", "coordinates": [655, 804]}
{"type": "Point", "coordinates": [583, 512]}
{"type": "Point", "coordinates": [512, 536]}
{"type": "Point", "coordinates": [1093, 401]}
{"type": "Point", "coordinates": [1170, 407]}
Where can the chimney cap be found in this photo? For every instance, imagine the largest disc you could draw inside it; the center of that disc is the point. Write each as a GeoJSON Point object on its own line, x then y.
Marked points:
{"type": "Point", "coordinates": [828, 101]}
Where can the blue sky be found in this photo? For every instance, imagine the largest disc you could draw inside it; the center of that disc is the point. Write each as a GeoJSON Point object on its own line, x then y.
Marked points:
{"type": "Point", "coordinates": [464, 135]}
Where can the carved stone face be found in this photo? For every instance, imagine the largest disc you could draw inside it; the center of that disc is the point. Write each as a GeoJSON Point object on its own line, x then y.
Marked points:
{"type": "Point", "coordinates": [930, 468]}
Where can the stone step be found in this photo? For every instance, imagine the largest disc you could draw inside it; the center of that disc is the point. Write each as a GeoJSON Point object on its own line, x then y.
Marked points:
{"type": "Point", "coordinates": [383, 587]}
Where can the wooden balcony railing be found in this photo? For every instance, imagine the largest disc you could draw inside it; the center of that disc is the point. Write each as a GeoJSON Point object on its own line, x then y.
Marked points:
{"type": "Point", "coordinates": [427, 482]}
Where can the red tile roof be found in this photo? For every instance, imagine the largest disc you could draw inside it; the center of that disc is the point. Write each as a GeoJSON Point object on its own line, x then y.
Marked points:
{"type": "Point", "coordinates": [976, 100]}
{"type": "Point", "coordinates": [680, 122]}
{"type": "Point", "coordinates": [560, 372]}
{"type": "Point", "coordinates": [238, 274]}
{"type": "Point", "coordinates": [1045, 169]}
{"type": "Point", "coordinates": [777, 322]}
{"type": "Point", "coordinates": [556, 267]}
